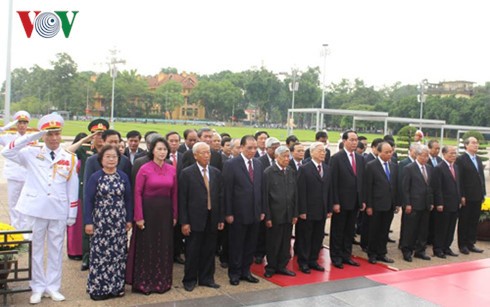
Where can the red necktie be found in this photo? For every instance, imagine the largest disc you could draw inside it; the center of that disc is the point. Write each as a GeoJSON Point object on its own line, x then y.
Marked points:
{"type": "Point", "coordinates": [250, 170]}
{"type": "Point", "coordinates": [320, 170]}
{"type": "Point", "coordinates": [174, 160]}
{"type": "Point", "coordinates": [451, 168]}
{"type": "Point", "coordinates": [354, 169]}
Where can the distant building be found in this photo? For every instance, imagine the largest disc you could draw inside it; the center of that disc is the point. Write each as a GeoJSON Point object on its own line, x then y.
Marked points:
{"type": "Point", "coordinates": [459, 89]}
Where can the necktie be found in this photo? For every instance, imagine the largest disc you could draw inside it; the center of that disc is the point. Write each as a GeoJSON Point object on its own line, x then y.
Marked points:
{"type": "Point", "coordinates": [474, 162]}
{"type": "Point", "coordinates": [250, 170]}
{"type": "Point", "coordinates": [354, 168]}
{"type": "Point", "coordinates": [451, 168]}
{"type": "Point", "coordinates": [424, 174]}
{"type": "Point", "coordinates": [387, 171]}
{"type": "Point", "coordinates": [52, 154]}
{"type": "Point", "coordinates": [206, 183]}
{"type": "Point", "coordinates": [299, 165]}
{"type": "Point", "coordinates": [174, 161]}
{"type": "Point", "coordinates": [320, 170]}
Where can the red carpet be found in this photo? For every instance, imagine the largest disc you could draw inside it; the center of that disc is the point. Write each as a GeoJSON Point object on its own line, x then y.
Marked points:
{"type": "Point", "coordinates": [331, 273]}
{"type": "Point", "coordinates": [460, 284]}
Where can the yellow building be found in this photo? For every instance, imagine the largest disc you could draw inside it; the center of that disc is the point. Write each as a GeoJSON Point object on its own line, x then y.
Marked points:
{"type": "Point", "coordinates": [459, 89]}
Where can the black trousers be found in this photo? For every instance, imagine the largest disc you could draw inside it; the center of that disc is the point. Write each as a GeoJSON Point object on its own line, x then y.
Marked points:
{"type": "Point", "coordinates": [379, 227]}
{"type": "Point", "coordinates": [432, 227]}
{"type": "Point", "coordinates": [243, 241]}
{"type": "Point", "coordinates": [468, 222]}
{"type": "Point", "coordinates": [199, 255]}
{"type": "Point", "coordinates": [178, 240]}
{"type": "Point", "coordinates": [415, 230]}
{"type": "Point", "coordinates": [365, 225]}
{"type": "Point", "coordinates": [278, 249]}
{"type": "Point", "coordinates": [223, 247]}
{"type": "Point", "coordinates": [341, 232]}
{"type": "Point", "coordinates": [444, 226]}
{"type": "Point", "coordinates": [309, 239]}
{"type": "Point", "coordinates": [260, 250]}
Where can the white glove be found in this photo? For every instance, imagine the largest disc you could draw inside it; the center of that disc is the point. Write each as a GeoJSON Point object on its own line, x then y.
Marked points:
{"type": "Point", "coordinates": [8, 126]}
{"type": "Point", "coordinates": [71, 221]}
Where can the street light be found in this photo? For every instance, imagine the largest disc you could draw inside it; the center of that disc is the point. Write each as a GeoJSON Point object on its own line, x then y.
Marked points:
{"type": "Point", "coordinates": [293, 87]}
{"type": "Point", "coordinates": [113, 70]}
{"type": "Point", "coordinates": [8, 80]}
{"type": "Point", "coordinates": [421, 98]}
{"type": "Point", "coordinates": [324, 52]}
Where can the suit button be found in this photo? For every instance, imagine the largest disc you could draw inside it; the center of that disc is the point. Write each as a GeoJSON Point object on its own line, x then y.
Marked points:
{"type": "Point", "coordinates": [49, 194]}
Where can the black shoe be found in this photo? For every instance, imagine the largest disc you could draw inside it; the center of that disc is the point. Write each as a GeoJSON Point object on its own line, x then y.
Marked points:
{"type": "Point", "coordinates": [372, 260]}
{"type": "Point", "coordinates": [258, 260]}
{"type": "Point", "coordinates": [475, 249]}
{"type": "Point", "coordinates": [224, 265]}
{"type": "Point", "coordinates": [305, 269]}
{"type": "Point", "coordinates": [268, 274]}
{"type": "Point", "coordinates": [440, 255]}
{"type": "Point", "coordinates": [234, 282]}
{"type": "Point", "coordinates": [250, 279]}
{"type": "Point", "coordinates": [351, 262]}
{"type": "Point", "coordinates": [77, 258]}
{"type": "Point", "coordinates": [464, 250]}
{"type": "Point", "coordinates": [286, 272]}
{"type": "Point", "coordinates": [178, 259]}
{"type": "Point", "coordinates": [189, 286]}
{"type": "Point", "coordinates": [422, 256]}
{"type": "Point", "coordinates": [315, 266]}
{"type": "Point", "coordinates": [338, 265]}
{"type": "Point", "coordinates": [449, 252]}
{"type": "Point", "coordinates": [385, 259]}
{"type": "Point", "coordinates": [99, 297]}
{"type": "Point", "coordinates": [84, 266]}
{"type": "Point", "coordinates": [211, 285]}
{"type": "Point", "coordinates": [390, 240]}
{"type": "Point", "coordinates": [407, 257]}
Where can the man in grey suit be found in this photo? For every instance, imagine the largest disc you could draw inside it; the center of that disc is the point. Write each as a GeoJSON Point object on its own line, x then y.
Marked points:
{"type": "Point", "coordinates": [281, 211]}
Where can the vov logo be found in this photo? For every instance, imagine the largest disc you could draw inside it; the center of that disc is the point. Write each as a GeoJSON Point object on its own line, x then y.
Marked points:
{"type": "Point", "coordinates": [47, 24]}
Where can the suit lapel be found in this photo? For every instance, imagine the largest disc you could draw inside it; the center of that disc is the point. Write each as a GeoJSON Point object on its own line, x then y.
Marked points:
{"type": "Point", "coordinates": [244, 169]}
{"type": "Point", "coordinates": [197, 172]}
{"type": "Point", "coordinates": [347, 161]}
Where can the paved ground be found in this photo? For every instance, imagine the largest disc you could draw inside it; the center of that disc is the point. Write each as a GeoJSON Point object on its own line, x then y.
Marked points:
{"type": "Point", "coordinates": [74, 281]}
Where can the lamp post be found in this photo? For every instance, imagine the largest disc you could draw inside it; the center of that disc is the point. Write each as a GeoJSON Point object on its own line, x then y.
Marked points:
{"type": "Point", "coordinates": [293, 87]}
{"type": "Point", "coordinates": [113, 70]}
{"type": "Point", "coordinates": [8, 82]}
{"type": "Point", "coordinates": [421, 98]}
{"type": "Point", "coordinates": [325, 52]}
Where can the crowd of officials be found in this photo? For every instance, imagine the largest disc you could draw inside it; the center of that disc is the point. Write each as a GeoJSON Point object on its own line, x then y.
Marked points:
{"type": "Point", "coordinates": [133, 213]}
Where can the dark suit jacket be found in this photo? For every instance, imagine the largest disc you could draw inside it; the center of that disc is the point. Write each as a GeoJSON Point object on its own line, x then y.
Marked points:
{"type": "Point", "coordinates": [243, 198]}
{"type": "Point", "coordinates": [348, 189]}
{"type": "Point", "coordinates": [327, 155]}
{"type": "Point", "coordinates": [279, 195]}
{"type": "Point", "coordinates": [401, 167]}
{"type": "Point", "coordinates": [92, 165]}
{"type": "Point", "coordinates": [416, 192]}
{"type": "Point", "coordinates": [369, 157]}
{"type": "Point", "coordinates": [216, 161]}
{"type": "Point", "coordinates": [182, 148]}
{"type": "Point", "coordinates": [126, 153]}
{"type": "Point", "coordinates": [179, 162]}
{"type": "Point", "coordinates": [439, 160]}
{"type": "Point", "coordinates": [314, 192]}
{"type": "Point", "coordinates": [472, 181]}
{"type": "Point", "coordinates": [193, 198]}
{"type": "Point", "coordinates": [447, 191]}
{"type": "Point", "coordinates": [265, 161]}
{"type": "Point", "coordinates": [381, 194]}
{"type": "Point", "coordinates": [294, 164]}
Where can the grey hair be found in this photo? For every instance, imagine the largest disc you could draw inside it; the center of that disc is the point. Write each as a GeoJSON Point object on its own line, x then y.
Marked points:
{"type": "Point", "coordinates": [199, 144]}
{"type": "Point", "coordinates": [217, 134]}
{"type": "Point", "coordinates": [314, 145]}
{"type": "Point", "coordinates": [280, 150]}
{"type": "Point", "coordinates": [420, 149]}
{"type": "Point", "coordinates": [232, 143]}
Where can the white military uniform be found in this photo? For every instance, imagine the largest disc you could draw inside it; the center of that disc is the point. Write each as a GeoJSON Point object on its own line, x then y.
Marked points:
{"type": "Point", "coordinates": [49, 201]}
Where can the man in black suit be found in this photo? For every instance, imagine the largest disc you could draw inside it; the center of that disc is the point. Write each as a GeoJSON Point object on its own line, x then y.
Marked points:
{"type": "Point", "coordinates": [261, 137]}
{"type": "Point", "coordinates": [267, 160]}
{"type": "Point", "coordinates": [401, 167]}
{"type": "Point", "coordinates": [381, 201]}
{"type": "Point", "coordinates": [434, 159]}
{"type": "Point", "coordinates": [320, 136]}
{"type": "Point", "coordinates": [314, 202]}
{"type": "Point", "coordinates": [281, 211]}
{"type": "Point", "coordinates": [226, 149]}
{"type": "Point", "coordinates": [242, 177]}
{"type": "Point", "coordinates": [205, 135]}
{"type": "Point", "coordinates": [417, 204]}
{"type": "Point", "coordinates": [473, 192]}
{"type": "Point", "coordinates": [348, 198]}
{"type": "Point", "coordinates": [133, 138]}
{"type": "Point", "coordinates": [373, 155]}
{"type": "Point", "coordinates": [190, 138]}
{"type": "Point", "coordinates": [201, 216]}
{"type": "Point", "coordinates": [298, 154]}
{"type": "Point", "coordinates": [447, 201]}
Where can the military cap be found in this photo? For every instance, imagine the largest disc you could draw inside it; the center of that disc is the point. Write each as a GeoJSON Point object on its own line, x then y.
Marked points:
{"type": "Point", "coordinates": [22, 116]}
{"type": "Point", "coordinates": [51, 122]}
{"type": "Point", "coordinates": [98, 125]}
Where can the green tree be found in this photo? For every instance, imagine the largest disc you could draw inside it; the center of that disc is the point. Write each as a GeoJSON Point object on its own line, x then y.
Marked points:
{"type": "Point", "coordinates": [169, 95]}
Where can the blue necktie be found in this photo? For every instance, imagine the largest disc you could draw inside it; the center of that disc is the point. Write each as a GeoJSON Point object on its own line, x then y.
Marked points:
{"type": "Point", "coordinates": [474, 162]}
{"type": "Point", "coordinates": [387, 171]}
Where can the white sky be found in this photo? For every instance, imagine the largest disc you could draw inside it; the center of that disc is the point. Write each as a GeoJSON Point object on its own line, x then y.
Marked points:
{"type": "Point", "coordinates": [378, 41]}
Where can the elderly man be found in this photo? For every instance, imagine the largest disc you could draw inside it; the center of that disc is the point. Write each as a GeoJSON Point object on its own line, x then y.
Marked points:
{"type": "Point", "coordinates": [281, 211]}
{"type": "Point", "coordinates": [417, 204]}
{"type": "Point", "coordinates": [473, 192]}
{"type": "Point", "coordinates": [49, 201]}
{"type": "Point", "coordinates": [314, 202]}
{"type": "Point", "coordinates": [200, 216]}
{"type": "Point", "coordinates": [13, 172]}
